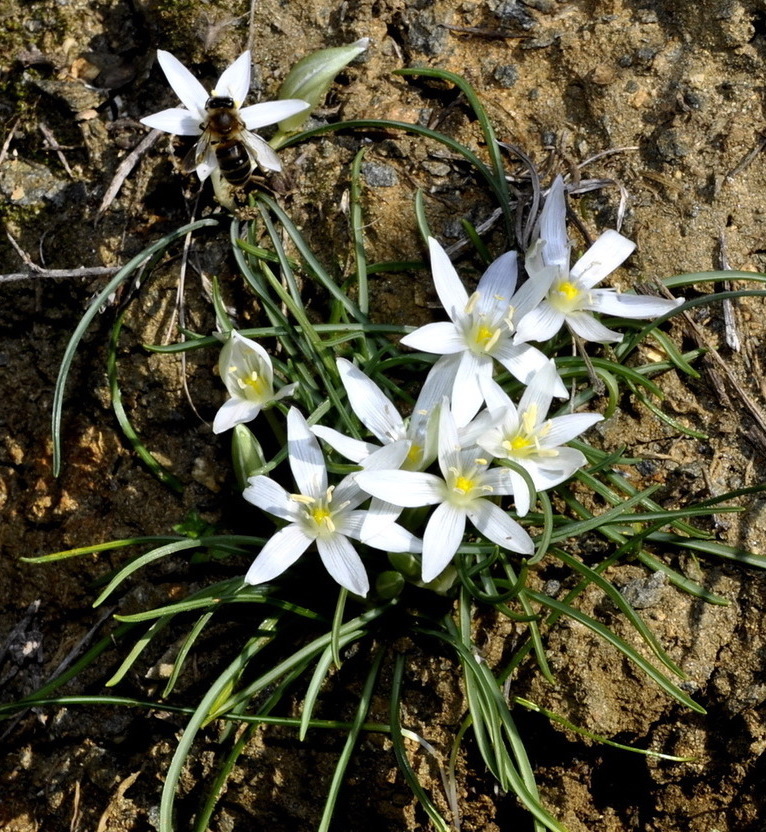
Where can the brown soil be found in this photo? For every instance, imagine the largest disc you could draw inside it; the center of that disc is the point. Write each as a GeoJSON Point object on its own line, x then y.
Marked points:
{"type": "Point", "coordinates": [675, 88]}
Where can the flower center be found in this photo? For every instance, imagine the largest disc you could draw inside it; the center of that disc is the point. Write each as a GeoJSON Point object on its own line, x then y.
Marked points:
{"type": "Point", "coordinates": [483, 337]}
{"type": "Point", "coordinates": [466, 485]}
{"type": "Point", "coordinates": [318, 519]}
{"type": "Point", "coordinates": [253, 385]}
{"type": "Point", "coordinates": [566, 296]}
{"type": "Point", "coordinates": [322, 517]}
{"type": "Point", "coordinates": [526, 441]}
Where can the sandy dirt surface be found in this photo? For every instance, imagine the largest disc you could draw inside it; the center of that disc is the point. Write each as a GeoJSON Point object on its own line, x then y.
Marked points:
{"type": "Point", "coordinates": [673, 90]}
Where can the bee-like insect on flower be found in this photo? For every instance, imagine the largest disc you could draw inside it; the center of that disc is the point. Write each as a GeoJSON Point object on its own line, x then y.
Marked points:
{"type": "Point", "coordinates": [227, 140]}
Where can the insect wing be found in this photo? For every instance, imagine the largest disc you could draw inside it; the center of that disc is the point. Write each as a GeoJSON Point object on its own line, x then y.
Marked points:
{"type": "Point", "coordinates": [198, 153]}
{"type": "Point", "coordinates": [259, 151]}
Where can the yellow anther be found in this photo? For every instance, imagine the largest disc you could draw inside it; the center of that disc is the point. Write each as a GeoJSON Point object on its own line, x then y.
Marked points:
{"type": "Point", "coordinates": [472, 301]}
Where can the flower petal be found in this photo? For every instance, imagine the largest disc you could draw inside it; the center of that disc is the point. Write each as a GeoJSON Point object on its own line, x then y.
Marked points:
{"type": "Point", "coordinates": [602, 258]}
{"type": "Point", "coordinates": [306, 460]}
{"type": "Point", "coordinates": [552, 231]}
{"type": "Point", "coordinates": [523, 360]}
{"type": "Point", "coordinates": [540, 324]}
{"type": "Point", "coordinates": [497, 285]}
{"type": "Point", "coordinates": [174, 120]}
{"type": "Point", "coordinates": [189, 90]}
{"type": "Point", "coordinates": [442, 338]}
{"type": "Point", "coordinates": [564, 428]}
{"type": "Point", "coordinates": [279, 553]}
{"type": "Point", "coordinates": [588, 328]}
{"type": "Point", "coordinates": [353, 449]}
{"type": "Point", "coordinates": [549, 472]}
{"type": "Point", "coordinates": [410, 489]}
{"type": "Point", "coordinates": [370, 404]}
{"type": "Point", "coordinates": [270, 112]}
{"type": "Point", "coordinates": [496, 525]}
{"type": "Point", "coordinates": [449, 287]}
{"type": "Point", "coordinates": [235, 412]}
{"type": "Point", "coordinates": [444, 533]}
{"type": "Point", "coordinates": [466, 395]}
{"type": "Point", "coordinates": [343, 563]}
{"type": "Point", "coordinates": [235, 80]}
{"type": "Point", "coordinates": [268, 495]}
{"type": "Point", "coordinates": [630, 306]}
{"type": "Point", "coordinates": [539, 393]}
{"type": "Point", "coordinates": [532, 292]}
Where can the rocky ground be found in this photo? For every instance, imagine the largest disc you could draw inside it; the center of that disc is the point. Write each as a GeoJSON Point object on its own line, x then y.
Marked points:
{"type": "Point", "coordinates": [664, 98]}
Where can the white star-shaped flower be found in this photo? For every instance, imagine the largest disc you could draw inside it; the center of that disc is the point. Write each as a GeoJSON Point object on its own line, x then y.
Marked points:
{"type": "Point", "coordinates": [480, 330]}
{"type": "Point", "coordinates": [525, 436]}
{"type": "Point", "coordinates": [234, 83]}
{"type": "Point", "coordinates": [461, 494]}
{"type": "Point", "coordinates": [569, 294]}
{"type": "Point", "coordinates": [318, 513]}
{"type": "Point", "coordinates": [246, 370]}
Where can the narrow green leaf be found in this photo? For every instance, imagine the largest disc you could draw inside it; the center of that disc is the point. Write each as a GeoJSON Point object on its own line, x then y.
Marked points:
{"type": "Point", "coordinates": [66, 362]}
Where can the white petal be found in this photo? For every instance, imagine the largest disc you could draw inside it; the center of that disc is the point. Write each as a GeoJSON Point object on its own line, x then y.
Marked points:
{"type": "Point", "coordinates": [522, 497]}
{"type": "Point", "coordinates": [175, 120]}
{"type": "Point", "coordinates": [207, 165]}
{"type": "Point", "coordinates": [353, 449]}
{"type": "Point", "coordinates": [349, 493]}
{"type": "Point", "coordinates": [539, 392]}
{"type": "Point", "coordinates": [449, 442]}
{"type": "Point", "coordinates": [269, 496]}
{"type": "Point", "coordinates": [549, 472]}
{"type": "Point", "coordinates": [410, 489]}
{"type": "Point", "coordinates": [522, 361]}
{"type": "Point", "coordinates": [443, 536]}
{"type": "Point", "coordinates": [235, 412]}
{"type": "Point", "coordinates": [589, 329]}
{"type": "Point", "coordinates": [306, 460]}
{"type": "Point", "coordinates": [630, 306]}
{"type": "Point", "coordinates": [449, 287]}
{"type": "Point", "coordinates": [192, 94]}
{"type": "Point", "coordinates": [495, 397]}
{"type": "Point", "coordinates": [497, 284]}
{"type": "Point", "coordinates": [270, 112]}
{"type": "Point", "coordinates": [602, 258]}
{"type": "Point", "coordinates": [533, 290]}
{"type": "Point", "coordinates": [378, 517]}
{"type": "Point", "coordinates": [553, 226]}
{"type": "Point", "coordinates": [279, 553]}
{"type": "Point", "coordinates": [286, 391]}
{"type": "Point", "coordinates": [466, 396]}
{"type": "Point", "coordinates": [540, 324]}
{"type": "Point", "coordinates": [235, 80]}
{"type": "Point", "coordinates": [370, 404]}
{"type": "Point", "coordinates": [391, 538]}
{"type": "Point", "coordinates": [497, 526]}
{"type": "Point", "coordinates": [389, 457]}
{"type": "Point", "coordinates": [343, 563]}
{"type": "Point", "coordinates": [499, 480]}
{"type": "Point", "coordinates": [565, 428]}
{"type": "Point", "coordinates": [441, 338]}
{"type": "Point", "coordinates": [437, 385]}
